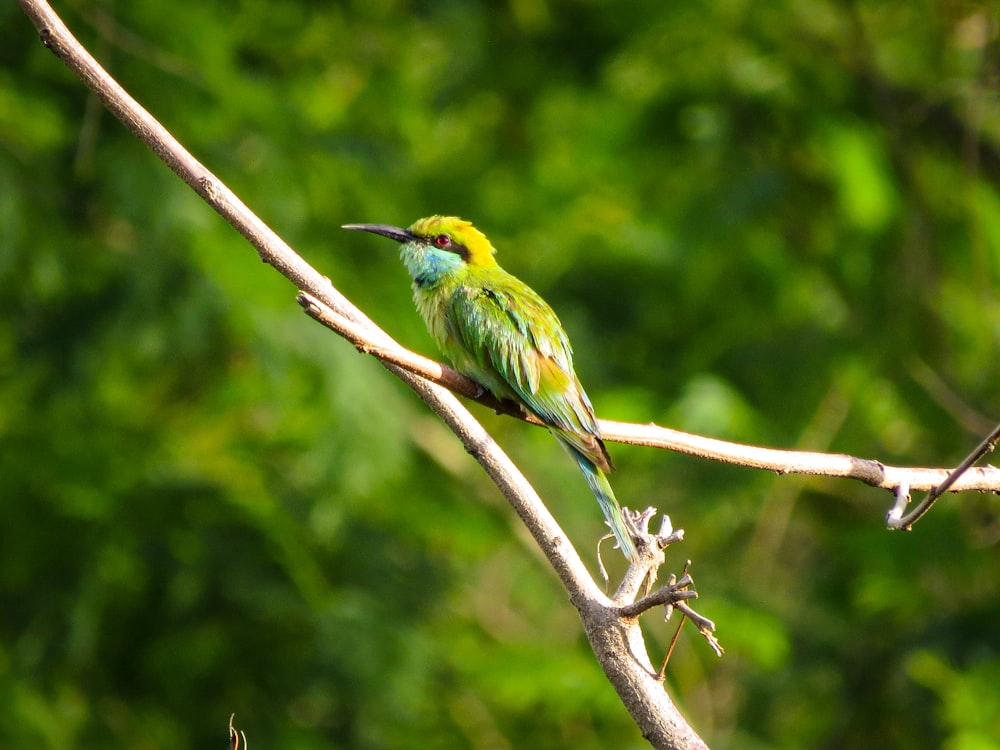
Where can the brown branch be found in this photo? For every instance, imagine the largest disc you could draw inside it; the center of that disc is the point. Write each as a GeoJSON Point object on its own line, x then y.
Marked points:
{"type": "Point", "coordinates": [670, 594]}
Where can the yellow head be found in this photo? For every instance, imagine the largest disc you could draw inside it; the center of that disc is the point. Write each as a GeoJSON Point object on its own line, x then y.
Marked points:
{"type": "Point", "coordinates": [437, 249]}
{"type": "Point", "coordinates": [456, 235]}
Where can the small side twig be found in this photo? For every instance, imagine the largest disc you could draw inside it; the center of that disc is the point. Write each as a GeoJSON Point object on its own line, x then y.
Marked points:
{"type": "Point", "coordinates": [705, 626]}
{"type": "Point", "coordinates": [670, 649]}
{"type": "Point", "coordinates": [671, 593]}
{"type": "Point", "coordinates": [897, 520]}
{"type": "Point", "coordinates": [675, 595]}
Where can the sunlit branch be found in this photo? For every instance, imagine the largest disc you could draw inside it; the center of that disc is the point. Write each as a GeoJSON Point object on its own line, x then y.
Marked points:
{"type": "Point", "coordinates": [617, 643]}
{"type": "Point", "coordinates": [897, 519]}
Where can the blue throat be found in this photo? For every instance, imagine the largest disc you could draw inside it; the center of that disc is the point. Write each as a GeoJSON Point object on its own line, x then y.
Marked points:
{"type": "Point", "coordinates": [428, 265]}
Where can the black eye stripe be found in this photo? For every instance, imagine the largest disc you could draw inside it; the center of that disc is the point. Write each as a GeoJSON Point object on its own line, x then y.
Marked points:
{"type": "Point", "coordinates": [445, 242]}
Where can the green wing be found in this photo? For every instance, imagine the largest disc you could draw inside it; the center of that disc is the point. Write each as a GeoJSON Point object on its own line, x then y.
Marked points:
{"type": "Point", "coordinates": [507, 338]}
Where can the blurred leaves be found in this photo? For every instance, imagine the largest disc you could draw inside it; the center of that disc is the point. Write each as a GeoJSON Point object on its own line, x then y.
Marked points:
{"type": "Point", "coordinates": [777, 223]}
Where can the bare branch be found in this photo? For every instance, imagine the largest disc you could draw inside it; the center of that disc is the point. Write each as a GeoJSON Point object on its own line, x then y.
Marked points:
{"type": "Point", "coordinates": [617, 643]}
{"type": "Point", "coordinates": [840, 465]}
{"type": "Point", "coordinates": [896, 520]}
{"type": "Point", "coordinates": [671, 594]}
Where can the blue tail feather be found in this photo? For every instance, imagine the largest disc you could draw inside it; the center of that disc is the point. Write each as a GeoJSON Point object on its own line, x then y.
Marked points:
{"type": "Point", "coordinates": [599, 485]}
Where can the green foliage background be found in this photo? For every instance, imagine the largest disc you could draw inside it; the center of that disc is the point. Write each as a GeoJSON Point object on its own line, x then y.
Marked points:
{"type": "Point", "coordinates": [771, 222]}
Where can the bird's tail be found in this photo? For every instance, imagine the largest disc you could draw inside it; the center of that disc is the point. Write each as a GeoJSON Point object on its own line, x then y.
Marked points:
{"type": "Point", "coordinates": [599, 485]}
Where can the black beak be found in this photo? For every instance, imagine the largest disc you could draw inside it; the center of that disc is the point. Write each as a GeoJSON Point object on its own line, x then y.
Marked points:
{"type": "Point", "coordinates": [393, 233]}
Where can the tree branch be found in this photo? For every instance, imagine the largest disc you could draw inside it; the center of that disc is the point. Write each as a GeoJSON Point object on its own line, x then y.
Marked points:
{"type": "Point", "coordinates": [896, 519]}
{"type": "Point", "coordinates": [617, 642]}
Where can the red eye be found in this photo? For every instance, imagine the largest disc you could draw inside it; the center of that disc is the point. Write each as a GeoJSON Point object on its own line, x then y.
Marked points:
{"type": "Point", "coordinates": [442, 240]}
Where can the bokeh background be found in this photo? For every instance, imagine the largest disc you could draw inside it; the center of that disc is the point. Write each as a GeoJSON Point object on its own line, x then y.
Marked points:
{"type": "Point", "coordinates": [775, 222]}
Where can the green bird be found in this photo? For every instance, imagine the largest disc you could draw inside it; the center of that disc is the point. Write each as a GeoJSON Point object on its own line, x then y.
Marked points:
{"type": "Point", "coordinates": [498, 331]}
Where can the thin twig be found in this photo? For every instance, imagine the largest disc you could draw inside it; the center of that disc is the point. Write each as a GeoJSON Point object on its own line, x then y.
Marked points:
{"type": "Point", "coordinates": [670, 649]}
{"type": "Point", "coordinates": [905, 522]}
{"type": "Point", "coordinates": [671, 593]}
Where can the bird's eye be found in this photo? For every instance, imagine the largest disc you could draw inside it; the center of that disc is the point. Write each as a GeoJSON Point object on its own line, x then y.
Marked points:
{"type": "Point", "coordinates": [442, 240]}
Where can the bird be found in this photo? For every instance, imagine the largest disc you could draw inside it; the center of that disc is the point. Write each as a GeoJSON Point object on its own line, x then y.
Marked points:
{"type": "Point", "coordinates": [496, 330]}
